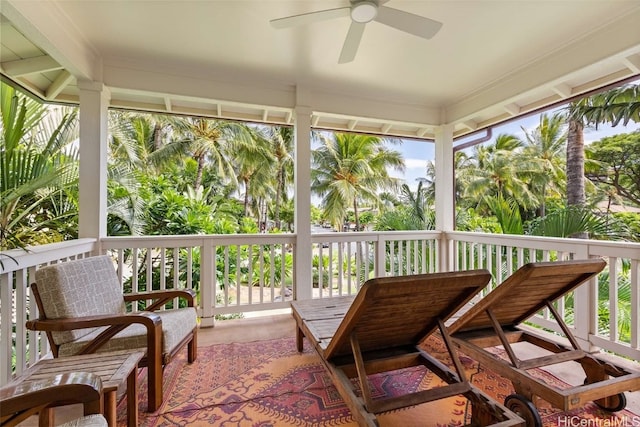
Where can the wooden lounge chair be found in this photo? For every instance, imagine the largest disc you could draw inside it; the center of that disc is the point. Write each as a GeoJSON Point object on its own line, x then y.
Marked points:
{"type": "Point", "coordinates": [492, 323]}
{"type": "Point", "coordinates": [381, 329]}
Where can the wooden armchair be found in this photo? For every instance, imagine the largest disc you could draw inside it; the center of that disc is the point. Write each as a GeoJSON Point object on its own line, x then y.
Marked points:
{"type": "Point", "coordinates": [19, 402]}
{"type": "Point", "coordinates": [83, 310]}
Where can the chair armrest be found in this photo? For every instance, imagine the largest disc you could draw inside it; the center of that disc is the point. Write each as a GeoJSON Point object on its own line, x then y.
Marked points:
{"type": "Point", "coordinates": [67, 324]}
{"type": "Point", "coordinates": [63, 389]}
{"type": "Point", "coordinates": [161, 297]}
{"type": "Point", "coordinates": [114, 324]}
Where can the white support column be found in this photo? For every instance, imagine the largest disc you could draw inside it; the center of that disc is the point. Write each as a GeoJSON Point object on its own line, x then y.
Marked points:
{"type": "Point", "coordinates": [303, 253]}
{"type": "Point", "coordinates": [445, 210]}
{"type": "Point", "coordinates": [207, 284]}
{"type": "Point", "coordinates": [94, 100]}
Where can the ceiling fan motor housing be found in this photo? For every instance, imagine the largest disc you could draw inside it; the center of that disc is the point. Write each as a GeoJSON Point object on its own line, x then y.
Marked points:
{"type": "Point", "coordinates": [364, 11]}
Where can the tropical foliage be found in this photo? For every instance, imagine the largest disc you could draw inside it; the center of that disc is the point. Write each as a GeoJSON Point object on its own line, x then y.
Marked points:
{"type": "Point", "coordinates": [39, 171]}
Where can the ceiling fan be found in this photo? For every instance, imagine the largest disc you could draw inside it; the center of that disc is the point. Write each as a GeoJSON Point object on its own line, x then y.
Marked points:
{"type": "Point", "coordinates": [362, 12]}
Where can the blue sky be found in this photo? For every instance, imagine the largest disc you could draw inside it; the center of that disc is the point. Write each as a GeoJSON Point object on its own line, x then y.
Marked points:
{"type": "Point", "coordinates": [417, 153]}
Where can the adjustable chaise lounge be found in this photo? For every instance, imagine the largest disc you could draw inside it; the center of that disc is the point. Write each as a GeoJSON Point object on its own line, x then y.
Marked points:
{"type": "Point", "coordinates": [381, 329]}
{"type": "Point", "coordinates": [497, 320]}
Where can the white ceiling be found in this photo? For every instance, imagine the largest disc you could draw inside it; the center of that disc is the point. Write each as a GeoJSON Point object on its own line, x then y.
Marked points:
{"type": "Point", "coordinates": [491, 61]}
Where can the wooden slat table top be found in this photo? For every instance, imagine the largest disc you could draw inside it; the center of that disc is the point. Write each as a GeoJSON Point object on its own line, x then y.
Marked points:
{"type": "Point", "coordinates": [112, 367]}
{"type": "Point", "coordinates": [317, 309]}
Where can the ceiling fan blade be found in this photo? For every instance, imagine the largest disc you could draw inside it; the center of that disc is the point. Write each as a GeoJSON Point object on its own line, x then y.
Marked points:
{"type": "Point", "coordinates": [408, 22]}
{"type": "Point", "coordinates": [310, 17]}
{"type": "Point", "coordinates": [351, 43]}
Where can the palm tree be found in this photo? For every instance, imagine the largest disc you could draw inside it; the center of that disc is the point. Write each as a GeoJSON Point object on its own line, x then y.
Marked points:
{"type": "Point", "coordinates": [411, 210]}
{"type": "Point", "coordinates": [621, 104]}
{"type": "Point", "coordinates": [614, 106]}
{"type": "Point", "coordinates": [254, 169]}
{"type": "Point", "coordinates": [136, 140]}
{"type": "Point", "coordinates": [39, 166]}
{"type": "Point", "coordinates": [545, 148]}
{"type": "Point", "coordinates": [136, 150]}
{"type": "Point", "coordinates": [210, 141]}
{"type": "Point", "coordinates": [497, 170]}
{"type": "Point", "coordinates": [350, 168]}
{"type": "Point", "coordinates": [281, 138]}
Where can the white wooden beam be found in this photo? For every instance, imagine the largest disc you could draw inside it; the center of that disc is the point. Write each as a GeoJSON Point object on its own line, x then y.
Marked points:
{"type": "Point", "coordinates": [633, 63]}
{"type": "Point", "coordinates": [386, 128]}
{"type": "Point", "coordinates": [265, 115]}
{"type": "Point", "coordinates": [563, 89]}
{"type": "Point", "coordinates": [167, 104]}
{"type": "Point", "coordinates": [288, 117]}
{"type": "Point", "coordinates": [219, 110]}
{"type": "Point", "coordinates": [314, 120]}
{"type": "Point", "coordinates": [470, 124]}
{"type": "Point", "coordinates": [352, 124]}
{"type": "Point", "coordinates": [422, 132]}
{"type": "Point", "coordinates": [24, 67]}
{"type": "Point", "coordinates": [512, 109]}
{"type": "Point", "coordinates": [58, 85]}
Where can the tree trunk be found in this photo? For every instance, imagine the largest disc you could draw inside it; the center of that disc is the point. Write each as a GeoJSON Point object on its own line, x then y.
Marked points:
{"type": "Point", "coordinates": [276, 214]}
{"type": "Point", "coordinates": [575, 168]}
{"type": "Point", "coordinates": [575, 164]}
{"type": "Point", "coordinates": [157, 136]}
{"type": "Point", "coordinates": [200, 160]}
{"type": "Point", "coordinates": [355, 214]}
{"type": "Point", "coordinates": [246, 197]}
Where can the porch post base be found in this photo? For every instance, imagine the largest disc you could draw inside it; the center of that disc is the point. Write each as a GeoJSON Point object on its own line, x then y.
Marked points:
{"type": "Point", "coordinates": [207, 322]}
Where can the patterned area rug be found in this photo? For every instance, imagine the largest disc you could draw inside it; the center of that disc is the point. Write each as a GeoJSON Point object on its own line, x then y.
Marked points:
{"type": "Point", "coordinates": [269, 384]}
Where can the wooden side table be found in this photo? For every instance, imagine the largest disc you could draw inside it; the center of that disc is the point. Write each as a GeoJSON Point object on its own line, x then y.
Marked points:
{"type": "Point", "coordinates": [116, 369]}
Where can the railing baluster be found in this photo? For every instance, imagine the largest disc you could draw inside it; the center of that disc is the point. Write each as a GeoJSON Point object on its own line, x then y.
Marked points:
{"type": "Point", "coordinates": [261, 270]}
{"type": "Point", "coordinates": [239, 278]}
{"type": "Point", "coordinates": [176, 274]}
{"type": "Point", "coordinates": [135, 287]}
{"type": "Point", "coordinates": [190, 268]}
{"type": "Point", "coordinates": [6, 300]}
{"type": "Point", "coordinates": [329, 272]}
{"type": "Point", "coordinates": [613, 299]}
{"type": "Point", "coordinates": [163, 268]}
{"type": "Point", "coordinates": [226, 276]}
{"type": "Point", "coordinates": [250, 271]}
{"type": "Point", "coordinates": [272, 269]}
{"type": "Point", "coordinates": [21, 318]}
{"type": "Point", "coordinates": [635, 303]}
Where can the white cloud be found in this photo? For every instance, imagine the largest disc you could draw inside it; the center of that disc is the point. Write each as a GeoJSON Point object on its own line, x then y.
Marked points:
{"type": "Point", "coordinates": [415, 164]}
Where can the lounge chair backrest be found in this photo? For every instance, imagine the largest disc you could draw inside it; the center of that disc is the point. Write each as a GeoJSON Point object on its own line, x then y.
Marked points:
{"type": "Point", "coordinates": [401, 311]}
{"type": "Point", "coordinates": [79, 288]}
{"type": "Point", "coordinates": [527, 291]}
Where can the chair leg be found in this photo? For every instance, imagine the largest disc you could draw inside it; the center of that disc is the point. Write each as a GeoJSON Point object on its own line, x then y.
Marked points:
{"type": "Point", "coordinates": [155, 385]}
{"type": "Point", "coordinates": [192, 348]}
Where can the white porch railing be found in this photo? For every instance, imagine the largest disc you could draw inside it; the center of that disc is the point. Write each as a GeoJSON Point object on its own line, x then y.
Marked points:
{"type": "Point", "coordinates": [244, 273]}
